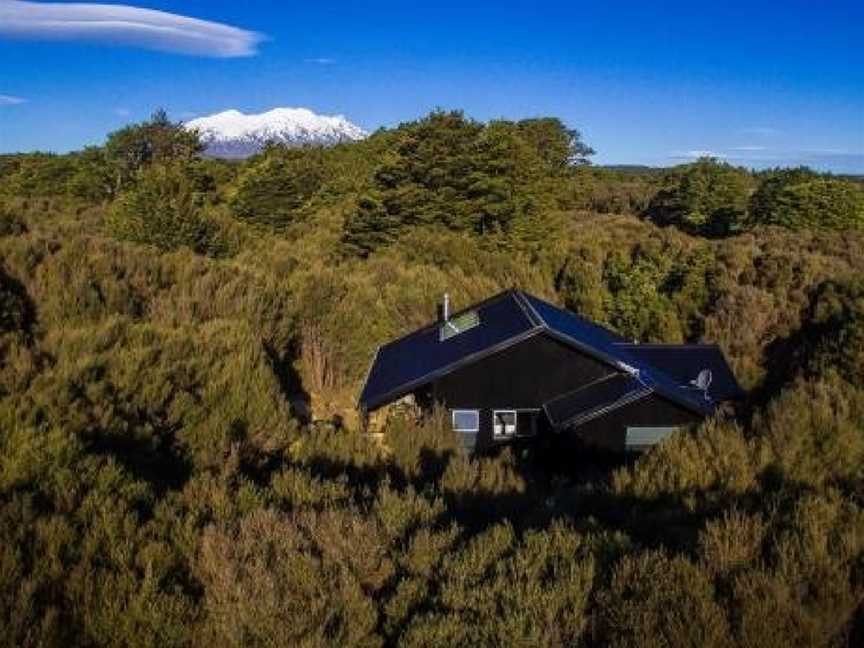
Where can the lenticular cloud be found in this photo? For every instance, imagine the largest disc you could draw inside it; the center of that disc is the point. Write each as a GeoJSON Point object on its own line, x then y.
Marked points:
{"type": "Point", "coordinates": [9, 100]}
{"type": "Point", "coordinates": [124, 25]}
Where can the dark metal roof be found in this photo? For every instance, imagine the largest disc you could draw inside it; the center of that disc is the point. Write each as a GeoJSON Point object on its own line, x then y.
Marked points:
{"type": "Point", "coordinates": [596, 399]}
{"type": "Point", "coordinates": [612, 348]}
{"type": "Point", "coordinates": [403, 365]}
{"type": "Point", "coordinates": [683, 362]}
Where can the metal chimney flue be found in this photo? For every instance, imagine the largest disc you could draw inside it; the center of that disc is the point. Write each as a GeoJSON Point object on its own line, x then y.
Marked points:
{"type": "Point", "coordinates": [444, 309]}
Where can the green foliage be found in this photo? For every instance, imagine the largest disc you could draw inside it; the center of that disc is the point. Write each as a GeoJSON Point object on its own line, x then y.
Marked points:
{"type": "Point", "coordinates": [92, 180]}
{"type": "Point", "coordinates": [10, 224]}
{"type": "Point", "coordinates": [707, 197]}
{"type": "Point", "coordinates": [715, 463]}
{"type": "Point", "coordinates": [559, 146]}
{"type": "Point", "coordinates": [764, 201]}
{"type": "Point", "coordinates": [812, 433]}
{"type": "Point", "coordinates": [498, 591]}
{"type": "Point", "coordinates": [36, 174]}
{"type": "Point", "coordinates": [612, 191]}
{"type": "Point", "coordinates": [273, 189]}
{"type": "Point", "coordinates": [661, 601]}
{"type": "Point", "coordinates": [155, 141]}
{"type": "Point", "coordinates": [14, 307]}
{"type": "Point", "coordinates": [448, 171]}
{"type": "Point", "coordinates": [798, 198]}
{"type": "Point", "coordinates": [164, 208]}
{"type": "Point", "coordinates": [836, 328]}
{"type": "Point", "coordinates": [654, 290]}
{"type": "Point", "coordinates": [277, 580]}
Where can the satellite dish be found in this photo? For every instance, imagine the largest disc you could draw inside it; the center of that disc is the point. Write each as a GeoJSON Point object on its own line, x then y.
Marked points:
{"type": "Point", "coordinates": [703, 380]}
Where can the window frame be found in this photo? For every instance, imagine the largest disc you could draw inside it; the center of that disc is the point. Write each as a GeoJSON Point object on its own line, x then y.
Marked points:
{"type": "Point", "coordinates": [505, 434]}
{"type": "Point", "coordinates": [450, 328]}
{"type": "Point", "coordinates": [475, 412]}
{"type": "Point", "coordinates": [663, 432]}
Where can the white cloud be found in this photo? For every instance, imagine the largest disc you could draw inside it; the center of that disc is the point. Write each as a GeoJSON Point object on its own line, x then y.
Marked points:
{"type": "Point", "coordinates": [122, 112]}
{"type": "Point", "coordinates": [125, 25]}
{"type": "Point", "coordinates": [748, 148]}
{"type": "Point", "coordinates": [694, 154]}
{"type": "Point", "coordinates": [762, 131]}
{"type": "Point", "coordinates": [829, 151]}
{"type": "Point", "coordinates": [9, 100]}
{"type": "Point", "coordinates": [321, 61]}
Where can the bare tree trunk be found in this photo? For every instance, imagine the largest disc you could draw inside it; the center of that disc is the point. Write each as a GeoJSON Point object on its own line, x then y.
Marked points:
{"type": "Point", "coordinates": [315, 359]}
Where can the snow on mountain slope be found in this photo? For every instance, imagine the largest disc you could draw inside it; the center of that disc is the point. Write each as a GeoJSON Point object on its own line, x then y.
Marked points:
{"type": "Point", "coordinates": [233, 134]}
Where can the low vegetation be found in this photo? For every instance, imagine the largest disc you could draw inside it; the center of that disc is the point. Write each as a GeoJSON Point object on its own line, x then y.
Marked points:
{"type": "Point", "coordinates": [182, 341]}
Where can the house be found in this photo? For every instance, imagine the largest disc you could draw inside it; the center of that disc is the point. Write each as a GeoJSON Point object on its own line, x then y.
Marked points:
{"type": "Point", "coordinates": [516, 367]}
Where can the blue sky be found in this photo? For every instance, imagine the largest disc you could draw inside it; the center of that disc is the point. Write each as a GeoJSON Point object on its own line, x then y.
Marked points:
{"type": "Point", "coordinates": [761, 83]}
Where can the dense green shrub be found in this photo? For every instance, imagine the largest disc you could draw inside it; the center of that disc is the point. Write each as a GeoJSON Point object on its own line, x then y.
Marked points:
{"type": "Point", "coordinates": [273, 189]}
{"type": "Point", "coordinates": [498, 591]}
{"type": "Point", "coordinates": [798, 198]}
{"type": "Point", "coordinates": [11, 224]}
{"type": "Point", "coordinates": [452, 172]}
{"type": "Point", "coordinates": [156, 141]}
{"type": "Point", "coordinates": [707, 197]}
{"type": "Point", "coordinates": [15, 310]}
{"type": "Point", "coordinates": [301, 580]}
{"type": "Point", "coordinates": [657, 600]}
{"type": "Point", "coordinates": [807, 589]}
{"type": "Point", "coordinates": [164, 208]}
{"type": "Point", "coordinates": [834, 330]}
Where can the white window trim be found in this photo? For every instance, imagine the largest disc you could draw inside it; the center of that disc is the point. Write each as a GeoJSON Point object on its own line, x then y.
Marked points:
{"type": "Point", "coordinates": [505, 434]}
{"type": "Point", "coordinates": [475, 412]}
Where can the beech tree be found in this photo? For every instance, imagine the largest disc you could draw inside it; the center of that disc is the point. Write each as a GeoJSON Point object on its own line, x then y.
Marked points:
{"type": "Point", "coordinates": [707, 197]}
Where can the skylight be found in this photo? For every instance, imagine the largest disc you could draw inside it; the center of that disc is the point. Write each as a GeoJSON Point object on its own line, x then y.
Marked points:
{"type": "Point", "coordinates": [458, 324]}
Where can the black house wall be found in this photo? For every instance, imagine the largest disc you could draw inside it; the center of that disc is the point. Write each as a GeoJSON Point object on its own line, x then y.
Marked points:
{"type": "Point", "coordinates": [609, 431]}
{"type": "Point", "coordinates": [520, 377]}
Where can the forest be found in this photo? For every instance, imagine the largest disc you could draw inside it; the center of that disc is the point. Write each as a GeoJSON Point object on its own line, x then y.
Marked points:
{"type": "Point", "coordinates": [183, 339]}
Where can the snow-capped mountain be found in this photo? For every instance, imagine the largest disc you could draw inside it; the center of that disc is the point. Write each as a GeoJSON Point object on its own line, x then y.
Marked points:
{"type": "Point", "coordinates": [233, 134]}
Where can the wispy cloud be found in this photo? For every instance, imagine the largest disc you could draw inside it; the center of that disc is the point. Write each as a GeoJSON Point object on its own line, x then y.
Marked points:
{"type": "Point", "coordinates": [320, 61]}
{"type": "Point", "coordinates": [9, 100]}
{"type": "Point", "coordinates": [748, 148]}
{"type": "Point", "coordinates": [762, 131]}
{"type": "Point", "coordinates": [122, 112]}
{"type": "Point", "coordinates": [694, 154]}
{"type": "Point", "coordinates": [125, 25]}
{"type": "Point", "coordinates": [829, 151]}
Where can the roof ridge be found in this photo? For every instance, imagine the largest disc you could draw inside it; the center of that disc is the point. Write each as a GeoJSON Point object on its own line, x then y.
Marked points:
{"type": "Point", "coordinates": [436, 323]}
{"type": "Point", "coordinates": [529, 310]}
{"type": "Point", "coordinates": [615, 352]}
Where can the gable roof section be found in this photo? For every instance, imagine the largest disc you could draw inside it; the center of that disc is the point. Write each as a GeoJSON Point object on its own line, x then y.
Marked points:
{"type": "Point", "coordinates": [683, 362]}
{"type": "Point", "coordinates": [595, 399]}
{"type": "Point", "coordinates": [405, 364]}
{"type": "Point", "coordinates": [612, 348]}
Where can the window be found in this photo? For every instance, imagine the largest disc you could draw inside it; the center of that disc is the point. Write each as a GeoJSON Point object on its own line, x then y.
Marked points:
{"type": "Point", "coordinates": [639, 439]}
{"type": "Point", "coordinates": [504, 423]}
{"type": "Point", "coordinates": [458, 324]}
{"type": "Point", "coordinates": [466, 420]}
